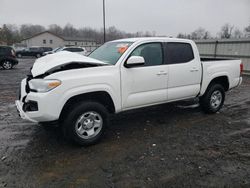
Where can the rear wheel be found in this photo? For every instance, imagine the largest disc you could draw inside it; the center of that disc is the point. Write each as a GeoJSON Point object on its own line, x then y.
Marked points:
{"type": "Point", "coordinates": [213, 99]}
{"type": "Point", "coordinates": [38, 55]}
{"type": "Point", "coordinates": [19, 55]}
{"type": "Point", "coordinates": [7, 65]}
{"type": "Point", "coordinates": [85, 122]}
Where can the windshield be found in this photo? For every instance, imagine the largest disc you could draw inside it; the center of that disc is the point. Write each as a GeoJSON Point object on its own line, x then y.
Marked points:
{"type": "Point", "coordinates": [57, 49]}
{"type": "Point", "coordinates": [110, 52]}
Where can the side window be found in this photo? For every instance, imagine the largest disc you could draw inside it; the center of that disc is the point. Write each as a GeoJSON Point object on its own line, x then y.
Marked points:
{"type": "Point", "coordinates": [68, 49]}
{"type": "Point", "coordinates": [33, 49]}
{"type": "Point", "coordinates": [176, 52]}
{"type": "Point", "coordinates": [78, 49]}
{"type": "Point", "coordinates": [151, 52]}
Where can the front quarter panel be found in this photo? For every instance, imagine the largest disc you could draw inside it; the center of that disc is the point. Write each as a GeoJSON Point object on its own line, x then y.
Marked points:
{"type": "Point", "coordinates": [81, 81]}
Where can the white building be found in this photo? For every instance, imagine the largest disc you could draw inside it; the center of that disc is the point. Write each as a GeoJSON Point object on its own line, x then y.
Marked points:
{"type": "Point", "coordinates": [49, 39]}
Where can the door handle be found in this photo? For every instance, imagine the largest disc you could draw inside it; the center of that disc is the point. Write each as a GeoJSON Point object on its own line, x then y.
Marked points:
{"type": "Point", "coordinates": [161, 73]}
{"type": "Point", "coordinates": [194, 69]}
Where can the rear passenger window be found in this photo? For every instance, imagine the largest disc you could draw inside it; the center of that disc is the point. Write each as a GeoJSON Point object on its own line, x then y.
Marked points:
{"type": "Point", "coordinates": [176, 52]}
{"type": "Point", "coordinates": [74, 49]}
{"type": "Point", "coordinates": [78, 50]}
{"type": "Point", "coordinates": [68, 49]}
{"type": "Point", "coordinates": [151, 52]}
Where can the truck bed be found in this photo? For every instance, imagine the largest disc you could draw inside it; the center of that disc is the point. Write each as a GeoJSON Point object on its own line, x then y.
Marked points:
{"type": "Point", "coordinates": [213, 67]}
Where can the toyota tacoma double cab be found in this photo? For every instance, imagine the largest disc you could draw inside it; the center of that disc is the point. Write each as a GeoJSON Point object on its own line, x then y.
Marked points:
{"type": "Point", "coordinates": [81, 92]}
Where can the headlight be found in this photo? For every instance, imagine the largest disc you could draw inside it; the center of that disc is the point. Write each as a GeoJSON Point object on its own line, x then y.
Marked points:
{"type": "Point", "coordinates": [41, 85]}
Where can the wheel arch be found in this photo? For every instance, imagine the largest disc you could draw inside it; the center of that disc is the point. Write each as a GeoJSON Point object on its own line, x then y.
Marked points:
{"type": "Point", "coordinates": [103, 97]}
{"type": "Point", "coordinates": [222, 80]}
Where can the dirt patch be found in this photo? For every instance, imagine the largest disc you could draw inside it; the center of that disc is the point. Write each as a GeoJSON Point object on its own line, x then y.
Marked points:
{"type": "Point", "coordinates": [172, 145]}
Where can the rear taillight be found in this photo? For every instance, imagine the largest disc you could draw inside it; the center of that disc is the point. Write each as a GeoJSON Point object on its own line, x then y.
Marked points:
{"type": "Point", "coordinates": [241, 68]}
{"type": "Point", "coordinates": [13, 53]}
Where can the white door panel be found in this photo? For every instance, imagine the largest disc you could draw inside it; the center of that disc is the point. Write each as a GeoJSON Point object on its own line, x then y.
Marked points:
{"type": "Point", "coordinates": [183, 92]}
{"type": "Point", "coordinates": [147, 84]}
{"type": "Point", "coordinates": [184, 74]}
{"type": "Point", "coordinates": [184, 80]}
{"type": "Point", "coordinates": [144, 85]}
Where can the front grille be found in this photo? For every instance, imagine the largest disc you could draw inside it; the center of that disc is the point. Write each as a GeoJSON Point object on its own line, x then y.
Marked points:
{"type": "Point", "coordinates": [30, 106]}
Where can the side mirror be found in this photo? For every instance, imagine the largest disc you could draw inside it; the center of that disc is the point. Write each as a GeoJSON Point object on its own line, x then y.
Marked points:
{"type": "Point", "coordinates": [134, 61]}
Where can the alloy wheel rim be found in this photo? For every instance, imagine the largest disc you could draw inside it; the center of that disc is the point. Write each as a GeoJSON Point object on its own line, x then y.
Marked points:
{"type": "Point", "coordinates": [216, 99]}
{"type": "Point", "coordinates": [88, 125]}
{"type": "Point", "coordinates": [7, 65]}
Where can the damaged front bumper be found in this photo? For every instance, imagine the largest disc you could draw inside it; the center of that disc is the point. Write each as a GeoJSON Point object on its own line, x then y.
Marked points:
{"type": "Point", "coordinates": [36, 107]}
{"type": "Point", "coordinates": [23, 115]}
{"type": "Point", "coordinates": [21, 100]}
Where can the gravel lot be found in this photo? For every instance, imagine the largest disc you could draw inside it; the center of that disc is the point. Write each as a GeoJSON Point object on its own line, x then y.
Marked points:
{"type": "Point", "coordinates": [172, 145]}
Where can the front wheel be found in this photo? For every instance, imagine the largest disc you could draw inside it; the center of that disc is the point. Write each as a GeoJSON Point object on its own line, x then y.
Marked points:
{"type": "Point", "coordinates": [7, 65]}
{"type": "Point", "coordinates": [85, 122]}
{"type": "Point", "coordinates": [213, 99]}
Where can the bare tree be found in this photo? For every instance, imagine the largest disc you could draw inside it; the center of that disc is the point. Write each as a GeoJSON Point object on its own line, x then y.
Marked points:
{"type": "Point", "coordinates": [247, 31]}
{"type": "Point", "coordinates": [237, 33]}
{"type": "Point", "coordinates": [200, 33]}
{"type": "Point", "coordinates": [70, 31]}
{"type": "Point", "coordinates": [9, 34]}
{"type": "Point", "coordinates": [56, 29]}
{"type": "Point", "coordinates": [226, 31]}
{"type": "Point", "coordinates": [28, 30]}
{"type": "Point", "coordinates": [184, 36]}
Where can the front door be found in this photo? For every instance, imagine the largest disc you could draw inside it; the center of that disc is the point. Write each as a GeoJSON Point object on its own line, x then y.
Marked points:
{"type": "Point", "coordinates": [146, 84]}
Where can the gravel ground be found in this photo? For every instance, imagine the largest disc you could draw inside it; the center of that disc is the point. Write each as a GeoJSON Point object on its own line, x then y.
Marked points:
{"type": "Point", "coordinates": [171, 145]}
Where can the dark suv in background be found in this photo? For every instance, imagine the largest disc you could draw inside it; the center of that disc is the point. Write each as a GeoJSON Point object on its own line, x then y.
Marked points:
{"type": "Point", "coordinates": [33, 51]}
{"type": "Point", "coordinates": [7, 57]}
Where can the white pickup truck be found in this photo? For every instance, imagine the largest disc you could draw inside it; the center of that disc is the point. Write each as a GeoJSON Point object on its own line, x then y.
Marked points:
{"type": "Point", "coordinates": [80, 92]}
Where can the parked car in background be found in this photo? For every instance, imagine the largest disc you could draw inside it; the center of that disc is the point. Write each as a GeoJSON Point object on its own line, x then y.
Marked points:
{"type": "Point", "coordinates": [33, 51]}
{"type": "Point", "coordinates": [79, 50]}
{"type": "Point", "coordinates": [7, 57]}
{"type": "Point", "coordinates": [52, 51]}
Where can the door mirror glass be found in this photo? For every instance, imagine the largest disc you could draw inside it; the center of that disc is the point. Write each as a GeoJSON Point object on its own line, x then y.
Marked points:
{"type": "Point", "coordinates": [135, 61]}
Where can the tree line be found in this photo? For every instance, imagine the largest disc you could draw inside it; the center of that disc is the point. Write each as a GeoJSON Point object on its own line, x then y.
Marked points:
{"type": "Point", "coordinates": [10, 33]}
{"type": "Point", "coordinates": [227, 31]}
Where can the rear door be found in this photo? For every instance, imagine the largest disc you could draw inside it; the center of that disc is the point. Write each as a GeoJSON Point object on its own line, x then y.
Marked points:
{"type": "Point", "coordinates": [184, 70]}
{"type": "Point", "coordinates": [146, 84]}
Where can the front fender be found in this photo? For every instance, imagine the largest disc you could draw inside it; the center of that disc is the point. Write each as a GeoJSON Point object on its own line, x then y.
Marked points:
{"type": "Point", "coordinates": [88, 89]}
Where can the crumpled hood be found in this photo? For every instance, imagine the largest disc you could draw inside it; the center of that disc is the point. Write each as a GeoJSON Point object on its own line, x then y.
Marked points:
{"type": "Point", "coordinates": [48, 62]}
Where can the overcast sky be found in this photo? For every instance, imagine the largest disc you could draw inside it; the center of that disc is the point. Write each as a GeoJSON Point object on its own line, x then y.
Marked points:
{"type": "Point", "coordinates": [165, 17]}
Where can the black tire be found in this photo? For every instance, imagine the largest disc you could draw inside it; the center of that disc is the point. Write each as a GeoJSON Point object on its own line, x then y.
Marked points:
{"type": "Point", "coordinates": [7, 65]}
{"type": "Point", "coordinates": [38, 55]}
{"type": "Point", "coordinates": [19, 55]}
{"type": "Point", "coordinates": [208, 102]}
{"type": "Point", "coordinates": [71, 127]}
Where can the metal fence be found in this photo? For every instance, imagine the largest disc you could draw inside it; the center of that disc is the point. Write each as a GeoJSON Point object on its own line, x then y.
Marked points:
{"type": "Point", "coordinates": [226, 48]}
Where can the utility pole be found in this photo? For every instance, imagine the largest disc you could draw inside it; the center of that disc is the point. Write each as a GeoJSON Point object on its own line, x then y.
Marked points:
{"type": "Point", "coordinates": [104, 26]}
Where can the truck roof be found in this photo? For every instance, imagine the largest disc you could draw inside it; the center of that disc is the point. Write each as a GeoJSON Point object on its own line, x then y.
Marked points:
{"type": "Point", "coordinates": [141, 39]}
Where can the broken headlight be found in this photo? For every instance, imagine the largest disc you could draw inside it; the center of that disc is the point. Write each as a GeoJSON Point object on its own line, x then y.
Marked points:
{"type": "Point", "coordinates": [42, 85]}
